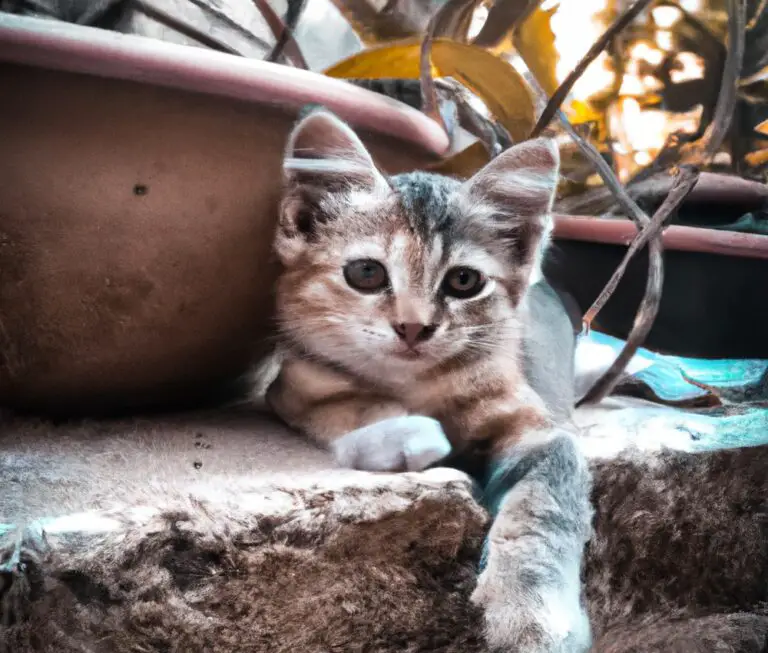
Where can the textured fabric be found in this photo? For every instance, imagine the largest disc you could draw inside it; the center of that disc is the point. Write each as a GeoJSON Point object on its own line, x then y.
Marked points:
{"type": "Point", "coordinates": [222, 531]}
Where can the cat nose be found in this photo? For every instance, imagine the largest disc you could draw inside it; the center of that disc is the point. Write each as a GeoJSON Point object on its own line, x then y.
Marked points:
{"type": "Point", "coordinates": [412, 333]}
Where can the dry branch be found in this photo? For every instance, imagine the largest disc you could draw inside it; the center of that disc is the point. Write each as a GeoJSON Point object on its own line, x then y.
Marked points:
{"type": "Point", "coordinates": [184, 28]}
{"type": "Point", "coordinates": [285, 35]}
{"type": "Point", "coordinates": [649, 307]}
{"type": "Point", "coordinates": [635, 213]}
{"type": "Point", "coordinates": [681, 187]}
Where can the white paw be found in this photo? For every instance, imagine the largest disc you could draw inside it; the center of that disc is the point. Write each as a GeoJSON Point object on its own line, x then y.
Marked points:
{"type": "Point", "coordinates": [409, 443]}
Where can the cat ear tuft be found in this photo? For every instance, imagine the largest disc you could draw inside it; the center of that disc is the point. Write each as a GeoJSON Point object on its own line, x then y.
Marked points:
{"type": "Point", "coordinates": [522, 181]}
{"type": "Point", "coordinates": [324, 150]}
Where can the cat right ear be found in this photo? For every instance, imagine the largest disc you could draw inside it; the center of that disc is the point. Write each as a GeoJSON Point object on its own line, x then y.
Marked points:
{"type": "Point", "coordinates": [324, 160]}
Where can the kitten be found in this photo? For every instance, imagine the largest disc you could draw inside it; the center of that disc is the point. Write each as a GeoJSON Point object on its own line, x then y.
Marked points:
{"type": "Point", "coordinates": [401, 305]}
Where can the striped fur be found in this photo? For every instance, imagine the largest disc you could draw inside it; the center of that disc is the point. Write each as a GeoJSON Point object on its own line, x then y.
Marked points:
{"type": "Point", "coordinates": [349, 382]}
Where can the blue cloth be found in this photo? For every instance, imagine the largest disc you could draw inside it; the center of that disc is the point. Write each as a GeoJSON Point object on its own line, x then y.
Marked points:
{"type": "Point", "coordinates": [714, 427]}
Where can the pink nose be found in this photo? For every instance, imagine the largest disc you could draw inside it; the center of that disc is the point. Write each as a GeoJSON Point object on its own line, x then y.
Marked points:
{"type": "Point", "coordinates": [412, 333]}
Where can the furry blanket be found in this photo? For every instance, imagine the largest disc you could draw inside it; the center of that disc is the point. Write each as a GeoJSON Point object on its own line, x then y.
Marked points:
{"type": "Point", "coordinates": [225, 533]}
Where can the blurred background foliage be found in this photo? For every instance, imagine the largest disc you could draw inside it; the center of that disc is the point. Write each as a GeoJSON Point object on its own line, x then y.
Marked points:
{"type": "Point", "coordinates": [657, 80]}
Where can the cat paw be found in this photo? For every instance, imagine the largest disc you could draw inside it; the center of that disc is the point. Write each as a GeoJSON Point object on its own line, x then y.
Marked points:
{"type": "Point", "coordinates": [521, 619]}
{"type": "Point", "coordinates": [409, 443]}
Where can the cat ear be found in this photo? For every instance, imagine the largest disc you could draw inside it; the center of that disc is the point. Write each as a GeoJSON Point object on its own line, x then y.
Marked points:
{"type": "Point", "coordinates": [515, 192]}
{"type": "Point", "coordinates": [323, 149]}
{"type": "Point", "coordinates": [324, 162]}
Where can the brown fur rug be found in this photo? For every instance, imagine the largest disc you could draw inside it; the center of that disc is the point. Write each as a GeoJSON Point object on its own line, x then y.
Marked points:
{"type": "Point", "coordinates": [226, 534]}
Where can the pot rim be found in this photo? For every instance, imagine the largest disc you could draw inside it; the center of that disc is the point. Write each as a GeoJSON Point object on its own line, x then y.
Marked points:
{"type": "Point", "coordinates": [621, 231]}
{"type": "Point", "coordinates": [67, 47]}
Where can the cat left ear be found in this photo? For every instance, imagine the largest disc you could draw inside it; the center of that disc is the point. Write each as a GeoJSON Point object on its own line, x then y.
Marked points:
{"type": "Point", "coordinates": [324, 160]}
{"type": "Point", "coordinates": [324, 151]}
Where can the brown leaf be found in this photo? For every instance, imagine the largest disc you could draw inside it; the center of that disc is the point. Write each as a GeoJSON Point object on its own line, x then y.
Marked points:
{"type": "Point", "coordinates": [398, 60]}
{"type": "Point", "coordinates": [535, 41]}
{"type": "Point", "coordinates": [755, 87]}
{"type": "Point", "coordinates": [464, 163]}
{"type": "Point", "coordinates": [757, 159]}
{"type": "Point", "coordinates": [493, 80]}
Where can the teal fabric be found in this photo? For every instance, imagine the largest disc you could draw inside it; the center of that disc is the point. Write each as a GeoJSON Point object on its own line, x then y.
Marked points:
{"type": "Point", "coordinates": [713, 427]}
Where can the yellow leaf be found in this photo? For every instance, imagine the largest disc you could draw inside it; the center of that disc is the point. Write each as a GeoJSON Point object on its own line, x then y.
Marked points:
{"type": "Point", "coordinates": [463, 164]}
{"type": "Point", "coordinates": [762, 128]}
{"type": "Point", "coordinates": [394, 60]}
{"type": "Point", "coordinates": [493, 80]}
{"type": "Point", "coordinates": [535, 41]}
{"type": "Point", "coordinates": [580, 112]}
{"type": "Point", "coordinates": [756, 159]}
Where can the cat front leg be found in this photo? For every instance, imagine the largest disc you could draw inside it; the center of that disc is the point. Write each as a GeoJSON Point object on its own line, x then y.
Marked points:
{"type": "Point", "coordinates": [530, 586]}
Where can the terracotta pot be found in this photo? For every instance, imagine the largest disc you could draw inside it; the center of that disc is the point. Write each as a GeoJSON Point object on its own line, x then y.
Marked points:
{"type": "Point", "coordinates": [138, 187]}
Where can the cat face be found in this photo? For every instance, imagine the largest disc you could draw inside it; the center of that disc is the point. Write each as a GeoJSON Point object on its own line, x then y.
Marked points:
{"type": "Point", "coordinates": [389, 275]}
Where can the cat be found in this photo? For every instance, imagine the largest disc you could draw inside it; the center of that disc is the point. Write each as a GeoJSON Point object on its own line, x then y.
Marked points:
{"type": "Point", "coordinates": [401, 305]}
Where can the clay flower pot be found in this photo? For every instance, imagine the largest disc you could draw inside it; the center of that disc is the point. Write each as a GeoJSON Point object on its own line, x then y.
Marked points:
{"type": "Point", "coordinates": [138, 188]}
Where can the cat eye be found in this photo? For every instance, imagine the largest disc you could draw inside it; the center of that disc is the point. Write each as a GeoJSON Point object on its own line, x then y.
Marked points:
{"type": "Point", "coordinates": [366, 275]}
{"type": "Point", "coordinates": [463, 283]}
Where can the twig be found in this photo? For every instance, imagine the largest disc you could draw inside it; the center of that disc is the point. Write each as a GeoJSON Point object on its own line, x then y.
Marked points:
{"type": "Point", "coordinates": [705, 149]}
{"type": "Point", "coordinates": [562, 91]}
{"type": "Point", "coordinates": [430, 102]}
{"type": "Point", "coordinates": [649, 307]}
{"type": "Point", "coordinates": [220, 16]}
{"type": "Point", "coordinates": [756, 16]}
{"type": "Point", "coordinates": [292, 15]}
{"type": "Point", "coordinates": [183, 28]}
{"type": "Point", "coordinates": [277, 27]}
{"type": "Point", "coordinates": [635, 213]}
{"type": "Point", "coordinates": [430, 105]}
{"type": "Point", "coordinates": [682, 186]}
{"type": "Point", "coordinates": [651, 301]}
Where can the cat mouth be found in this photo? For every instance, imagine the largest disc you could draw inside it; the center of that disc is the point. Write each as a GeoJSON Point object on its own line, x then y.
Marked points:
{"type": "Point", "coordinates": [409, 354]}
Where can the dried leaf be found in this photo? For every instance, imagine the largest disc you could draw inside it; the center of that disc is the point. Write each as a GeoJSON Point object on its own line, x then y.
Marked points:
{"type": "Point", "coordinates": [398, 60]}
{"type": "Point", "coordinates": [493, 80]}
{"type": "Point", "coordinates": [762, 128]}
{"type": "Point", "coordinates": [755, 87]}
{"type": "Point", "coordinates": [580, 113]}
{"type": "Point", "coordinates": [464, 163]}
{"type": "Point", "coordinates": [535, 41]}
{"type": "Point", "coordinates": [757, 159]}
